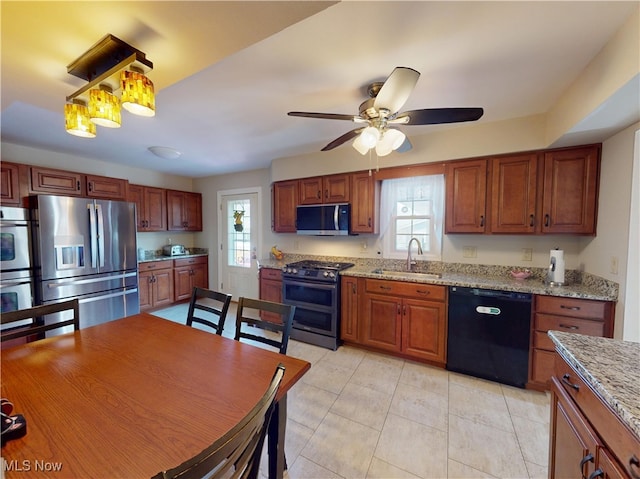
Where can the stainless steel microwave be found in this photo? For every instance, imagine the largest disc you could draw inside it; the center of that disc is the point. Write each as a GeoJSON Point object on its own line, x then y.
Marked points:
{"type": "Point", "coordinates": [323, 220]}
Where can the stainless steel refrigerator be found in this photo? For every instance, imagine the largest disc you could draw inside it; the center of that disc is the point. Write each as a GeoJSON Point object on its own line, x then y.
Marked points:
{"type": "Point", "coordinates": [86, 249]}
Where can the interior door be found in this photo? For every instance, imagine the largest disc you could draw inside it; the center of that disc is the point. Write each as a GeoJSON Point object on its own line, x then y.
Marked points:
{"type": "Point", "coordinates": [239, 232]}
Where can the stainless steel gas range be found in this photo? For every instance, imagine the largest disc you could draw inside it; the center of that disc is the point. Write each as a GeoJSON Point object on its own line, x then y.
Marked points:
{"type": "Point", "coordinates": [313, 287]}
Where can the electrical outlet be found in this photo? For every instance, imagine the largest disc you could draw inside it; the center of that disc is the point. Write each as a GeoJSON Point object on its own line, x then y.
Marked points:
{"type": "Point", "coordinates": [613, 268]}
{"type": "Point", "coordinates": [527, 254]}
{"type": "Point", "coordinates": [469, 252]}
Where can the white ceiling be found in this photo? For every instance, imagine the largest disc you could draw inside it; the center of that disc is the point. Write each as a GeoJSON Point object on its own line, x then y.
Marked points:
{"type": "Point", "coordinates": [227, 73]}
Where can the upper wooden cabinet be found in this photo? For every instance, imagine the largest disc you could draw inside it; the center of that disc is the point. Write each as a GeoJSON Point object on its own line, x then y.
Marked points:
{"type": "Point", "coordinates": [69, 183]}
{"type": "Point", "coordinates": [570, 198]}
{"type": "Point", "coordinates": [466, 196]}
{"type": "Point", "coordinates": [364, 203]}
{"type": "Point", "coordinates": [10, 184]}
{"type": "Point", "coordinates": [184, 211]}
{"type": "Point", "coordinates": [285, 201]}
{"type": "Point", "coordinates": [324, 189]}
{"type": "Point", "coordinates": [151, 207]}
{"type": "Point", "coordinates": [513, 193]}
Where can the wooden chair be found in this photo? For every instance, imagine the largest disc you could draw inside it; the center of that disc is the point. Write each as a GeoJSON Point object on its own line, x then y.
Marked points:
{"type": "Point", "coordinates": [218, 309]}
{"type": "Point", "coordinates": [283, 327]}
{"type": "Point", "coordinates": [39, 324]}
{"type": "Point", "coordinates": [237, 453]}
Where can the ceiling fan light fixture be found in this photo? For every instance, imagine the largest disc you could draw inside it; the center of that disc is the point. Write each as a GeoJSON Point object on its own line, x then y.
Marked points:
{"type": "Point", "coordinates": [104, 107]}
{"type": "Point", "coordinates": [77, 121]}
{"type": "Point", "coordinates": [359, 146]}
{"type": "Point", "coordinates": [137, 93]}
{"type": "Point", "coordinates": [370, 136]}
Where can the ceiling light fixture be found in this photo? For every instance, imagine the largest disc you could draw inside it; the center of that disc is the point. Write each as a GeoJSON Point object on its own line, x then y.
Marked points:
{"type": "Point", "coordinates": [109, 66]}
{"type": "Point", "coordinates": [165, 152]}
{"type": "Point", "coordinates": [383, 139]}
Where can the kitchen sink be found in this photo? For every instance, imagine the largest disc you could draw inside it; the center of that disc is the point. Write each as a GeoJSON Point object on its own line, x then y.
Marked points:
{"type": "Point", "coordinates": [407, 274]}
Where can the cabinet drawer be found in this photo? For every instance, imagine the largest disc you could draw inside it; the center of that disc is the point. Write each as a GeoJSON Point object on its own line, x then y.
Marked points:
{"type": "Point", "coordinates": [543, 366]}
{"type": "Point", "coordinates": [542, 341]}
{"type": "Point", "coordinates": [177, 263]}
{"type": "Point", "coordinates": [399, 288]}
{"type": "Point", "coordinates": [270, 273]}
{"type": "Point", "coordinates": [545, 322]}
{"type": "Point", "coordinates": [577, 308]}
{"type": "Point", "coordinates": [154, 265]}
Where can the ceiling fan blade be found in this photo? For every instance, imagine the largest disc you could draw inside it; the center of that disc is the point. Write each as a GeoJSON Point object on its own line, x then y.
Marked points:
{"type": "Point", "coordinates": [396, 89]}
{"type": "Point", "coordinates": [434, 116]}
{"type": "Point", "coordinates": [326, 116]}
{"type": "Point", "coordinates": [406, 146]}
{"type": "Point", "coordinates": [342, 139]}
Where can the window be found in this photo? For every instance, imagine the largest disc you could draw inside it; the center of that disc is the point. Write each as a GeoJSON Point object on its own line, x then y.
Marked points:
{"type": "Point", "coordinates": [412, 207]}
{"type": "Point", "coordinates": [239, 233]}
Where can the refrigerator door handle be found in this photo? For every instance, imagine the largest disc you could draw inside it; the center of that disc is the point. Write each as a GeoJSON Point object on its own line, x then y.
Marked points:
{"type": "Point", "coordinates": [100, 234]}
{"type": "Point", "coordinates": [93, 235]}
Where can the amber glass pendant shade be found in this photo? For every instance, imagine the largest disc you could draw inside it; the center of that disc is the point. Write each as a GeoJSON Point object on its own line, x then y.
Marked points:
{"type": "Point", "coordinates": [77, 121]}
{"type": "Point", "coordinates": [137, 93]}
{"type": "Point", "coordinates": [104, 108]}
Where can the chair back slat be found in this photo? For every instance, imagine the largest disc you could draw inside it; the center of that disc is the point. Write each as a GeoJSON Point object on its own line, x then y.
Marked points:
{"type": "Point", "coordinates": [39, 323]}
{"type": "Point", "coordinates": [281, 328]}
{"type": "Point", "coordinates": [201, 299]}
{"type": "Point", "coordinates": [237, 453]}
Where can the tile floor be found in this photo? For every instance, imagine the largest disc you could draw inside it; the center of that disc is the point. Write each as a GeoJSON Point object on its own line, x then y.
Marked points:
{"type": "Point", "coordinates": [358, 414]}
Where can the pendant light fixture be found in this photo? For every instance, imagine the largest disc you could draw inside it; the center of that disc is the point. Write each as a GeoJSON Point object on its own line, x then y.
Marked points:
{"type": "Point", "coordinates": [77, 121]}
{"type": "Point", "coordinates": [112, 68]}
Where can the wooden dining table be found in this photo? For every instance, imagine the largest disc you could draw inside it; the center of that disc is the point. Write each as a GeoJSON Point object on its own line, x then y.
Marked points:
{"type": "Point", "coordinates": [135, 396]}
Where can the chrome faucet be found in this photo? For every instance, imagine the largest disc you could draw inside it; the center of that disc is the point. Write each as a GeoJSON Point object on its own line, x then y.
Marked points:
{"type": "Point", "coordinates": [411, 264]}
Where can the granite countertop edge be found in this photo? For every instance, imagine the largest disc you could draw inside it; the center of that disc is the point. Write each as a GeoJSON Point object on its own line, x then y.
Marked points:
{"type": "Point", "coordinates": [149, 259]}
{"type": "Point", "coordinates": [610, 367]}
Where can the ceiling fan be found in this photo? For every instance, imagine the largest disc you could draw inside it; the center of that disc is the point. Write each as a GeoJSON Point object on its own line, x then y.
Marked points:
{"type": "Point", "coordinates": [380, 115]}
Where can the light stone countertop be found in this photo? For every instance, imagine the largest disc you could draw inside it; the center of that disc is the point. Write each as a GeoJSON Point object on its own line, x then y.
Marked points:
{"type": "Point", "coordinates": [150, 258]}
{"type": "Point", "coordinates": [610, 366]}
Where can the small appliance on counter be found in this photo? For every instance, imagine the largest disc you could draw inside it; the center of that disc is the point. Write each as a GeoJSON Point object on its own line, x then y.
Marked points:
{"type": "Point", "coordinates": [555, 274]}
{"type": "Point", "coordinates": [174, 250]}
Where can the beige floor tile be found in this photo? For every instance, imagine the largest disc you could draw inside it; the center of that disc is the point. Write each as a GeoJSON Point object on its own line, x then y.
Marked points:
{"type": "Point", "coordinates": [425, 377]}
{"type": "Point", "coordinates": [420, 405]}
{"type": "Point", "coordinates": [328, 375]}
{"type": "Point", "coordinates": [525, 403]}
{"type": "Point", "coordinates": [296, 438]}
{"type": "Point", "coordinates": [474, 383]}
{"type": "Point", "coordinates": [485, 448]}
{"type": "Point", "coordinates": [457, 470]}
{"type": "Point", "coordinates": [343, 446]}
{"type": "Point", "coordinates": [346, 356]}
{"type": "Point", "coordinates": [536, 471]}
{"type": "Point", "coordinates": [303, 468]}
{"type": "Point", "coordinates": [378, 372]}
{"type": "Point", "coordinates": [305, 351]}
{"type": "Point", "coordinates": [533, 438]}
{"type": "Point", "coordinates": [363, 405]}
{"type": "Point", "coordinates": [413, 447]}
{"type": "Point", "coordinates": [480, 405]}
{"type": "Point", "coordinates": [308, 405]}
{"type": "Point", "coordinates": [383, 470]}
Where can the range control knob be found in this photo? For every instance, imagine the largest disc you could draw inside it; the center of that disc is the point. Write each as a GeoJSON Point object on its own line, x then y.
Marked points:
{"type": "Point", "coordinates": [294, 270]}
{"type": "Point", "coordinates": [325, 274]}
{"type": "Point", "coordinates": [332, 274]}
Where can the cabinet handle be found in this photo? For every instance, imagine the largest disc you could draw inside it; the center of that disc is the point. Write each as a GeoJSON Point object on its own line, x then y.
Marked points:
{"type": "Point", "coordinates": [78, 185]}
{"type": "Point", "coordinates": [353, 288]}
{"type": "Point", "coordinates": [568, 326]}
{"type": "Point", "coordinates": [90, 186]}
{"type": "Point", "coordinates": [585, 459]}
{"type": "Point", "coordinates": [319, 194]}
{"type": "Point", "coordinates": [326, 193]}
{"type": "Point", "coordinates": [597, 473]}
{"type": "Point", "coordinates": [385, 288]}
{"type": "Point", "coordinates": [547, 220]}
{"type": "Point", "coordinates": [369, 222]}
{"type": "Point", "coordinates": [531, 220]}
{"type": "Point", "coordinates": [634, 462]}
{"type": "Point", "coordinates": [423, 291]}
{"type": "Point", "coordinates": [565, 379]}
{"type": "Point", "coordinates": [482, 220]}
{"type": "Point", "coordinates": [404, 310]}
{"type": "Point", "coordinates": [570, 308]}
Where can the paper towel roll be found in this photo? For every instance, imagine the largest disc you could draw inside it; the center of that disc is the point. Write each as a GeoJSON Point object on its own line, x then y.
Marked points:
{"type": "Point", "coordinates": [557, 276]}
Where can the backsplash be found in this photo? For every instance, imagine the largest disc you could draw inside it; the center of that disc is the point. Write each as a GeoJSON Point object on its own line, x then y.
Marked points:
{"type": "Point", "coordinates": [149, 254]}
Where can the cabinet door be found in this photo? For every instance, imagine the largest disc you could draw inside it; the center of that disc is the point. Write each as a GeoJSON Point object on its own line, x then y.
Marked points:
{"type": "Point", "coordinates": [607, 466]}
{"type": "Point", "coordinates": [363, 203]}
{"type": "Point", "coordinates": [106, 188]}
{"type": "Point", "coordinates": [200, 276]}
{"type": "Point", "coordinates": [155, 209]}
{"type": "Point", "coordinates": [175, 211]}
{"type": "Point", "coordinates": [573, 443]}
{"type": "Point", "coordinates": [270, 290]}
{"type": "Point", "coordinates": [466, 196]}
{"type": "Point", "coordinates": [336, 188]}
{"type": "Point", "coordinates": [310, 190]}
{"type": "Point", "coordinates": [570, 195]}
{"type": "Point", "coordinates": [381, 324]}
{"type": "Point", "coordinates": [135, 194]}
{"type": "Point", "coordinates": [349, 309]}
{"type": "Point", "coordinates": [145, 290]}
{"type": "Point", "coordinates": [9, 184]}
{"type": "Point", "coordinates": [57, 182]}
{"type": "Point", "coordinates": [513, 194]}
{"type": "Point", "coordinates": [285, 200]}
{"type": "Point", "coordinates": [423, 329]}
{"type": "Point", "coordinates": [163, 287]}
{"type": "Point", "coordinates": [194, 211]}
{"type": "Point", "coordinates": [182, 283]}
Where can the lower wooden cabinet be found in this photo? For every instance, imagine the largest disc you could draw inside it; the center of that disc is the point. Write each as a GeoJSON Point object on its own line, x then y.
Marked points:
{"type": "Point", "coordinates": [586, 438]}
{"type": "Point", "coordinates": [189, 273]}
{"type": "Point", "coordinates": [408, 319]}
{"type": "Point", "coordinates": [270, 290]}
{"type": "Point", "coordinates": [155, 284]}
{"type": "Point", "coordinates": [571, 315]}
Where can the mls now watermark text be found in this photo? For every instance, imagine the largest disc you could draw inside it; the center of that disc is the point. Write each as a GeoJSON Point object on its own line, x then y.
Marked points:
{"type": "Point", "coordinates": [27, 465]}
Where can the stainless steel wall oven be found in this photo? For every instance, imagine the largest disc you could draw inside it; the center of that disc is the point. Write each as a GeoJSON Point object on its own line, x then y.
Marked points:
{"type": "Point", "coordinates": [313, 287]}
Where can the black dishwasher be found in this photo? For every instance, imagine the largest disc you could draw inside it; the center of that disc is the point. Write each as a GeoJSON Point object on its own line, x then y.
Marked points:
{"type": "Point", "coordinates": [488, 334]}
